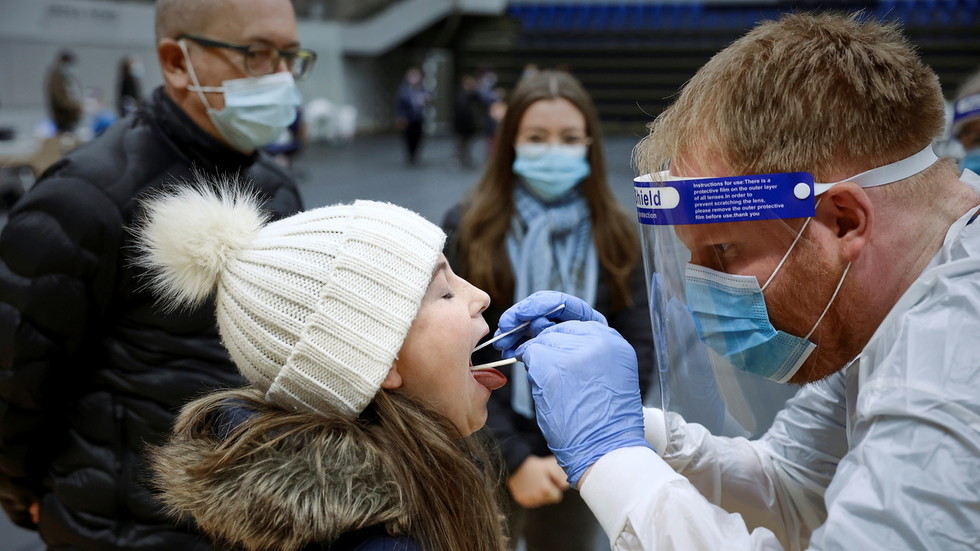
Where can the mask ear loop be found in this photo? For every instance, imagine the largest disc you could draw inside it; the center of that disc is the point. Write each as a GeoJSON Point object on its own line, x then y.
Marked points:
{"type": "Point", "coordinates": [836, 290]}
{"type": "Point", "coordinates": [831, 301]}
{"type": "Point", "coordinates": [197, 84]}
{"type": "Point", "coordinates": [792, 246]}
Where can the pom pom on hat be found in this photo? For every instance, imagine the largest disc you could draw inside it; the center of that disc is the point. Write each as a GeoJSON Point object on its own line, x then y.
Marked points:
{"type": "Point", "coordinates": [312, 308]}
{"type": "Point", "coordinates": [189, 237]}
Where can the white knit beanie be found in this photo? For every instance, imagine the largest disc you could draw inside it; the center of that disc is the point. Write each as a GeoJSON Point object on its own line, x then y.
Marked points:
{"type": "Point", "coordinates": [313, 308]}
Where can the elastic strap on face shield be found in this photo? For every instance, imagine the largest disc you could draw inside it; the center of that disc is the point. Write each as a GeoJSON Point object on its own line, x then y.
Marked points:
{"type": "Point", "coordinates": [887, 174]}
{"type": "Point", "coordinates": [965, 110]}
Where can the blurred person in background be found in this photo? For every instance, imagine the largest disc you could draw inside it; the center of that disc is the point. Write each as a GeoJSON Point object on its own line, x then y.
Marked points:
{"type": "Point", "coordinates": [91, 370]}
{"type": "Point", "coordinates": [468, 117]}
{"type": "Point", "coordinates": [529, 69]}
{"type": "Point", "coordinates": [543, 217]}
{"type": "Point", "coordinates": [410, 103]}
{"type": "Point", "coordinates": [64, 92]}
{"type": "Point", "coordinates": [492, 95]}
{"type": "Point", "coordinates": [496, 111]}
{"type": "Point", "coordinates": [130, 94]}
{"type": "Point", "coordinates": [99, 116]}
{"type": "Point", "coordinates": [966, 122]}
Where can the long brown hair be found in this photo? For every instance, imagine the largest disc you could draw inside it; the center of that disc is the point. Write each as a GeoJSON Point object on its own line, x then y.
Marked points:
{"type": "Point", "coordinates": [483, 228]}
{"type": "Point", "coordinates": [281, 479]}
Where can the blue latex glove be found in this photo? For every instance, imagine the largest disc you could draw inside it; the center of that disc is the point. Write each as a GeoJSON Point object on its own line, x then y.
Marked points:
{"type": "Point", "coordinates": [533, 309]}
{"type": "Point", "coordinates": [586, 392]}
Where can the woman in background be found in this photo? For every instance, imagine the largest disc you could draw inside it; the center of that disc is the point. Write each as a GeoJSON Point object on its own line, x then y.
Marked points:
{"type": "Point", "coordinates": [130, 88]}
{"type": "Point", "coordinates": [543, 217]}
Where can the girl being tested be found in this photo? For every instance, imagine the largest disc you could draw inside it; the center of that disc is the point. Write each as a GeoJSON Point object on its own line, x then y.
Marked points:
{"type": "Point", "coordinates": [355, 337]}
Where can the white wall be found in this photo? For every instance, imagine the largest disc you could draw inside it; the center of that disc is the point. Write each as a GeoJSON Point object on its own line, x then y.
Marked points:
{"type": "Point", "coordinates": [328, 78]}
{"type": "Point", "coordinates": [370, 92]}
{"type": "Point", "coordinates": [32, 32]}
{"type": "Point", "coordinates": [353, 64]}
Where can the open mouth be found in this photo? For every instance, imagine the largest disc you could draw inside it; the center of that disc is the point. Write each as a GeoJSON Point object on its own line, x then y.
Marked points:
{"type": "Point", "coordinates": [489, 377]}
{"type": "Point", "coordinates": [486, 375]}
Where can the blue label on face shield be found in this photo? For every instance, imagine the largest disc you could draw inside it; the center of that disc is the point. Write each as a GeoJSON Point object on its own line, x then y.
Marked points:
{"type": "Point", "coordinates": [728, 199]}
{"type": "Point", "coordinates": [966, 108]}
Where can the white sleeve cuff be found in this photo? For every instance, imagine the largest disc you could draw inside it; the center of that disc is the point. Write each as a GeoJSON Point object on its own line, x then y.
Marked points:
{"type": "Point", "coordinates": [655, 429]}
{"type": "Point", "coordinates": [622, 480]}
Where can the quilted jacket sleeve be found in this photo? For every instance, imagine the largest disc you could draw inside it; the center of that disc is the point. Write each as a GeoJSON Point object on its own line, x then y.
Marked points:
{"type": "Point", "coordinates": [58, 254]}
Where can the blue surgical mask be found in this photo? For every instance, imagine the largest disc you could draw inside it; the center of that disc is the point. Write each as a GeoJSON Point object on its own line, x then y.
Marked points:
{"type": "Point", "coordinates": [971, 161]}
{"type": "Point", "coordinates": [551, 171]}
{"type": "Point", "coordinates": [731, 317]}
{"type": "Point", "coordinates": [257, 109]}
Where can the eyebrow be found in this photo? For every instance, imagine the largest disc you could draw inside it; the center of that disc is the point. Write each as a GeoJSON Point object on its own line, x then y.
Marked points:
{"type": "Point", "coordinates": [543, 129]}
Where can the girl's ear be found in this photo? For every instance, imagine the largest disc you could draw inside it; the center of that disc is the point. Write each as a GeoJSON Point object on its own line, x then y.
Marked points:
{"type": "Point", "coordinates": [393, 380]}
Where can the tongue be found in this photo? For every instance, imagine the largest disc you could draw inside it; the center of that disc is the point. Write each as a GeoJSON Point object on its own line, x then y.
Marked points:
{"type": "Point", "coordinates": [489, 377]}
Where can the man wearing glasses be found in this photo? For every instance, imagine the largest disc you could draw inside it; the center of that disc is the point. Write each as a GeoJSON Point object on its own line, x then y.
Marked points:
{"type": "Point", "coordinates": [91, 371]}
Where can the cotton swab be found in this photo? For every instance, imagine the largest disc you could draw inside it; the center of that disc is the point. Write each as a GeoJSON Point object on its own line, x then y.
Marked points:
{"type": "Point", "coordinates": [516, 329]}
{"type": "Point", "coordinates": [492, 365]}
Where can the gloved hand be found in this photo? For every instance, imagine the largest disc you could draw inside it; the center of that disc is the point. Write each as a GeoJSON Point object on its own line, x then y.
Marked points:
{"type": "Point", "coordinates": [533, 309]}
{"type": "Point", "coordinates": [586, 392]}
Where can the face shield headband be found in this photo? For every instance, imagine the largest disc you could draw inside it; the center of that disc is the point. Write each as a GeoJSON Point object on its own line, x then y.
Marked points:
{"type": "Point", "coordinates": [964, 110]}
{"type": "Point", "coordinates": [729, 310]}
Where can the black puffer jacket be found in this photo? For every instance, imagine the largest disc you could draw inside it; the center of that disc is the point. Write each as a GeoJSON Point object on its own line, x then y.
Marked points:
{"type": "Point", "coordinates": [90, 371]}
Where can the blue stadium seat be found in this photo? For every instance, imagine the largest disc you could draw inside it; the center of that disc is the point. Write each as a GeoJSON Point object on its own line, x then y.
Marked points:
{"type": "Point", "coordinates": [564, 14]}
{"type": "Point", "coordinates": [617, 20]}
{"type": "Point", "coordinates": [584, 16]}
{"type": "Point", "coordinates": [599, 17]}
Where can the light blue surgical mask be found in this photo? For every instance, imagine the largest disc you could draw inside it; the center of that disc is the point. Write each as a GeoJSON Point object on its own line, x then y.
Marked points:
{"type": "Point", "coordinates": [971, 161]}
{"type": "Point", "coordinates": [257, 109]}
{"type": "Point", "coordinates": [731, 317]}
{"type": "Point", "coordinates": [551, 171]}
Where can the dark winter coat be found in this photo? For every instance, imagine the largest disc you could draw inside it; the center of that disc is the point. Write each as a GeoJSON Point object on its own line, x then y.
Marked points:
{"type": "Point", "coordinates": [516, 435]}
{"type": "Point", "coordinates": [468, 112]}
{"type": "Point", "coordinates": [314, 490]}
{"type": "Point", "coordinates": [64, 97]}
{"type": "Point", "coordinates": [91, 371]}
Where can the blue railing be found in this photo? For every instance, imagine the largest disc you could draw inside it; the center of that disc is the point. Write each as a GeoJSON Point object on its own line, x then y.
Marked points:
{"type": "Point", "coordinates": [681, 15]}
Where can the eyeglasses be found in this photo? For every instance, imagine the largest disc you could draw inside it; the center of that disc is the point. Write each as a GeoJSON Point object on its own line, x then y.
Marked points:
{"type": "Point", "coordinates": [263, 59]}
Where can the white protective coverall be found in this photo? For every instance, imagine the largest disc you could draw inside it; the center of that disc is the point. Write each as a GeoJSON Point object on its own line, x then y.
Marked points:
{"type": "Point", "coordinates": [884, 454]}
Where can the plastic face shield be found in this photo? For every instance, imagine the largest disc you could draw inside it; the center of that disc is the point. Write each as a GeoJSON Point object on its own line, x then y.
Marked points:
{"type": "Point", "coordinates": [726, 341]}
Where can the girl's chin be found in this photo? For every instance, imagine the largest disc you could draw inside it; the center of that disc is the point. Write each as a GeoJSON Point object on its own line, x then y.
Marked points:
{"type": "Point", "coordinates": [477, 426]}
